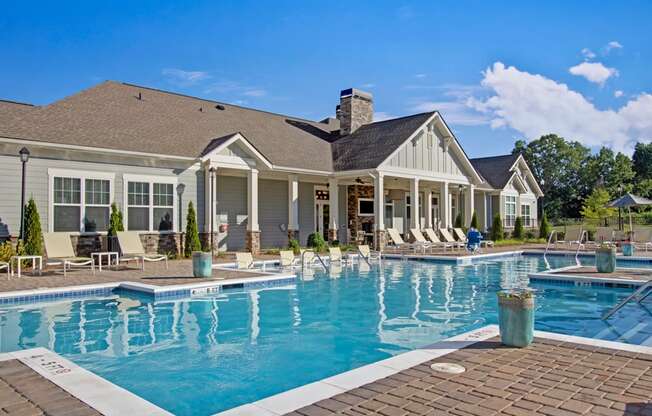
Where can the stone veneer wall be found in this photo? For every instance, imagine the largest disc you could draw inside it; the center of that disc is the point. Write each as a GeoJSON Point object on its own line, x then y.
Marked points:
{"type": "Point", "coordinates": [166, 243]}
{"type": "Point", "coordinates": [356, 192]}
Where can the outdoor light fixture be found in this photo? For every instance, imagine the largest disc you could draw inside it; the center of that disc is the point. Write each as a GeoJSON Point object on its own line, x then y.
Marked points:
{"type": "Point", "coordinates": [24, 157]}
{"type": "Point", "coordinates": [180, 189]}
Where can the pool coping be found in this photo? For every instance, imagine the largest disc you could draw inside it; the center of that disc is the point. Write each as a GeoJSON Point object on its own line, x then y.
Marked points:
{"type": "Point", "coordinates": [93, 390]}
{"type": "Point", "coordinates": [302, 396]}
{"type": "Point", "coordinates": [557, 276]}
{"type": "Point", "coordinates": [463, 259]}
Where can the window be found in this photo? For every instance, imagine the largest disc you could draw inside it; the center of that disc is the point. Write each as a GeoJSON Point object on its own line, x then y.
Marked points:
{"type": "Point", "coordinates": [80, 201]}
{"type": "Point", "coordinates": [510, 211]}
{"type": "Point", "coordinates": [365, 207]}
{"type": "Point", "coordinates": [151, 204]}
{"type": "Point", "coordinates": [525, 215]}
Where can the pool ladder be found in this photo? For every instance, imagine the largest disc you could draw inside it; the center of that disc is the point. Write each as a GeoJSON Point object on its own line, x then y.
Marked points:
{"type": "Point", "coordinates": [545, 253]}
{"type": "Point", "coordinates": [303, 261]}
{"type": "Point", "coordinates": [639, 295]}
{"type": "Point", "coordinates": [583, 237]}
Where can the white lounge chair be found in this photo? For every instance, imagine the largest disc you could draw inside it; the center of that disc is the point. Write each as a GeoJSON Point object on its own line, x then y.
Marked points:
{"type": "Point", "coordinates": [448, 238]}
{"type": "Point", "coordinates": [288, 259]}
{"type": "Point", "coordinates": [572, 236]}
{"type": "Point", "coordinates": [365, 251]}
{"type": "Point", "coordinates": [432, 236]}
{"type": "Point", "coordinates": [603, 235]}
{"type": "Point", "coordinates": [643, 239]}
{"type": "Point", "coordinates": [5, 265]}
{"type": "Point", "coordinates": [420, 240]}
{"type": "Point", "coordinates": [244, 260]}
{"type": "Point", "coordinates": [397, 241]}
{"type": "Point", "coordinates": [59, 251]}
{"type": "Point", "coordinates": [335, 255]}
{"type": "Point", "coordinates": [132, 249]}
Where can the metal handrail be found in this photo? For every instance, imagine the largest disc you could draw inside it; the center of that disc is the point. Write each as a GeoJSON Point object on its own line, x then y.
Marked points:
{"type": "Point", "coordinates": [639, 291]}
{"type": "Point", "coordinates": [553, 232]}
{"type": "Point", "coordinates": [303, 262]}
{"type": "Point", "coordinates": [321, 260]}
{"type": "Point", "coordinates": [579, 246]}
{"type": "Point", "coordinates": [364, 257]}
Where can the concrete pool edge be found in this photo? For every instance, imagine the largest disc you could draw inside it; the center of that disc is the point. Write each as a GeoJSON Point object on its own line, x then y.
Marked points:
{"type": "Point", "coordinates": [294, 399]}
{"type": "Point", "coordinates": [91, 389]}
{"type": "Point", "coordinates": [557, 276]}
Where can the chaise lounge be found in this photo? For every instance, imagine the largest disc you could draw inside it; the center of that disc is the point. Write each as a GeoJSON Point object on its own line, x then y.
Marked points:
{"type": "Point", "coordinates": [59, 251]}
{"type": "Point", "coordinates": [132, 249]}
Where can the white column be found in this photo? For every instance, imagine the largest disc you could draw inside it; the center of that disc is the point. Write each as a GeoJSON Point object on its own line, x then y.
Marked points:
{"type": "Point", "coordinates": [469, 204]}
{"type": "Point", "coordinates": [209, 198]}
{"type": "Point", "coordinates": [414, 202]}
{"type": "Point", "coordinates": [252, 200]}
{"type": "Point", "coordinates": [428, 207]}
{"type": "Point", "coordinates": [485, 214]}
{"type": "Point", "coordinates": [293, 202]}
{"type": "Point", "coordinates": [379, 201]}
{"type": "Point", "coordinates": [444, 205]}
{"type": "Point", "coordinates": [334, 201]}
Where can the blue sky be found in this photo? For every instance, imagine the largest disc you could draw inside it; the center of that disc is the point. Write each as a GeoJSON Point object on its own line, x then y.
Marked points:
{"type": "Point", "coordinates": [497, 71]}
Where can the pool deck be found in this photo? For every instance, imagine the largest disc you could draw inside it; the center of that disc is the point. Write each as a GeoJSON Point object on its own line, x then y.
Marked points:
{"type": "Point", "coordinates": [622, 276]}
{"type": "Point", "coordinates": [557, 375]}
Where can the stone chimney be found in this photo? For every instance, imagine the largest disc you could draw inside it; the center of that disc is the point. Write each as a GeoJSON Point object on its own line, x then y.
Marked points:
{"type": "Point", "coordinates": [355, 110]}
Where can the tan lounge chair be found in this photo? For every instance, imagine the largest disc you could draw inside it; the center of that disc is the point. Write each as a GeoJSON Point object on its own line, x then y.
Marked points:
{"type": "Point", "coordinates": [448, 238]}
{"type": "Point", "coordinates": [572, 236]}
{"type": "Point", "coordinates": [602, 235]}
{"type": "Point", "coordinates": [287, 258]}
{"type": "Point", "coordinates": [432, 236]}
{"type": "Point", "coordinates": [397, 241]}
{"type": "Point", "coordinates": [335, 255]}
{"type": "Point", "coordinates": [244, 260]}
{"type": "Point", "coordinates": [132, 249]}
{"type": "Point", "coordinates": [5, 265]}
{"type": "Point", "coordinates": [366, 252]}
{"type": "Point", "coordinates": [643, 239]}
{"type": "Point", "coordinates": [58, 249]}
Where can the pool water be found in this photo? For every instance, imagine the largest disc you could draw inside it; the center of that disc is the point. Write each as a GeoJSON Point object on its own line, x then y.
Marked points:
{"type": "Point", "coordinates": [200, 356]}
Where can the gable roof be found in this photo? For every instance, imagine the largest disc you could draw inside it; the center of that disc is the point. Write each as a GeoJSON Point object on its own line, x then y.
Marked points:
{"type": "Point", "coordinates": [372, 143]}
{"type": "Point", "coordinates": [496, 170]}
{"type": "Point", "coordinates": [111, 115]}
{"type": "Point", "coordinates": [12, 110]}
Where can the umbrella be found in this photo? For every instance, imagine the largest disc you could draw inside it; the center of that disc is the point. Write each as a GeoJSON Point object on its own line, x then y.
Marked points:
{"type": "Point", "coordinates": [628, 201]}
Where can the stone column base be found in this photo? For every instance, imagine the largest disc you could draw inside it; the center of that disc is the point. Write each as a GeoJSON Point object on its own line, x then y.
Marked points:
{"type": "Point", "coordinates": [293, 235]}
{"type": "Point", "coordinates": [332, 235]}
{"type": "Point", "coordinates": [252, 242]}
{"type": "Point", "coordinates": [380, 240]}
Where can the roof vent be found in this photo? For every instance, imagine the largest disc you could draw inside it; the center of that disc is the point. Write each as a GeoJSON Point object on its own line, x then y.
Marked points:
{"type": "Point", "coordinates": [140, 95]}
{"type": "Point", "coordinates": [201, 109]}
{"type": "Point", "coordinates": [220, 107]}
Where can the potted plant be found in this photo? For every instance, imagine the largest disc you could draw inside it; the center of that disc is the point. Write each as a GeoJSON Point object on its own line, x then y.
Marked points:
{"type": "Point", "coordinates": [605, 258]}
{"type": "Point", "coordinates": [516, 317]}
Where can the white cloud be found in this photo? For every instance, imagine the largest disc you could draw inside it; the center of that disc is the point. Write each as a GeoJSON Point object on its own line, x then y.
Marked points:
{"type": "Point", "coordinates": [382, 115]}
{"type": "Point", "coordinates": [234, 87]}
{"type": "Point", "coordinates": [255, 93]}
{"type": "Point", "coordinates": [454, 112]}
{"type": "Point", "coordinates": [611, 46]}
{"type": "Point", "coordinates": [368, 85]}
{"type": "Point", "coordinates": [420, 76]}
{"type": "Point", "coordinates": [618, 93]}
{"type": "Point", "coordinates": [588, 53]}
{"type": "Point", "coordinates": [535, 105]}
{"type": "Point", "coordinates": [184, 78]}
{"type": "Point", "coordinates": [593, 72]}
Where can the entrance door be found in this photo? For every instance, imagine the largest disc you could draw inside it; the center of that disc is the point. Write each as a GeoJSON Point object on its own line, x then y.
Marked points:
{"type": "Point", "coordinates": [322, 217]}
{"type": "Point", "coordinates": [436, 219]}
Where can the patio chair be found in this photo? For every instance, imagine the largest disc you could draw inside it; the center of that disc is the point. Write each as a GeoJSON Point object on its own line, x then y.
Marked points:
{"type": "Point", "coordinates": [288, 259]}
{"type": "Point", "coordinates": [365, 251]}
{"type": "Point", "coordinates": [643, 238]}
{"type": "Point", "coordinates": [335, 255]}
{"type": "Point", "coordinates": [572, 236]}
{"type": "Point", "coordinates": [420, 240]}
{"type": "Point", "coordinates": [432, 236]}
{"type": "Point", "coordinates": [244, 260]}
{"type": "Point", "coordinates": [59, 251]}
{"type": "Point", "coordinates": [602, 235]}
{"type": "Point", "coordinates": [132, 249]}
{"type": "Point", "coordinates": [397, 241]}
{"type": "Point", "coordinates": [461, 236]}
{"type": "Point", "coordinates": [5, 265]}
{"type": "Point", "coordinates": [448, 238]}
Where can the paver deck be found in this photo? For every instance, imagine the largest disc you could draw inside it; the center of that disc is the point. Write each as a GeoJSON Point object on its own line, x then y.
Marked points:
{"type": "Point", "coordinates": [549, 377]}
{"type": "Point", "coordinates": [619, 273]}
{"type": "Point", "coordinates": [24, 392]}
{"type": "Point", "coordinates": [178, 272]}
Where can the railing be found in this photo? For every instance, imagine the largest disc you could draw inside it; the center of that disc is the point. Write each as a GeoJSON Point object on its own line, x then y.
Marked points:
{"type": "Point", "coordinates": [364, 257]}
{"type": "Point", "coordinates": [545, 253]}
{"type": "Point", "coordinates": [583, 235]}
{"type": "Point", "coordinates": [315, 254]}
{"type": "Point", "coordinates": [637, 294]}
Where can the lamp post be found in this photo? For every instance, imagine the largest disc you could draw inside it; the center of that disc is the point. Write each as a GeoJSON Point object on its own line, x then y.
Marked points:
{"type": "Point", "coordinates": [543, 185]}
{"type": "Point", "coordinates": [24, 158]}
{"type": "Point", "coordinates": [180, 189]}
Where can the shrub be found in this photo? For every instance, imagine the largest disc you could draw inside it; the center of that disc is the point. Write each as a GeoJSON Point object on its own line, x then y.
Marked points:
{"type": "Point", "coordinates": [7, 250]}
{"type": "Point", "coordinates": [294, 246]}
{"type": "Point", "coordinates": [458, 220]}
{"type": "Point", "coordinates": [33, 235]}
{"type": "Point", "coordinates": [544, 228]}
{"type": "Point", "coordinates": [497, 228]}
{"type": "Point", "coordinates": [518, 229]}
{"type": "Point", "coordinates": [316, 241]}
{"type": "Point", "coordinates": [530, 235]}
{"type": "Point", "coordinates": [192, 242]}
{"type": "Point", "coordinates": [115, 221]}
{"type": "Point", "coordinates": [474, 220]}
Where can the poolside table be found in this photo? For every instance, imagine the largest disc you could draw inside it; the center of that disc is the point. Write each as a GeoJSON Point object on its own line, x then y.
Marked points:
{"type": "Point", "coordinates": [109, 255]}
{"type": "Point", "coordinates": [19, 260]}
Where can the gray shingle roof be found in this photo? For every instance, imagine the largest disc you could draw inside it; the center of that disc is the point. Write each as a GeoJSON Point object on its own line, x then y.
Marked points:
{"type": "Point", "coordinates": [495, 169]}
{"type": "Point", "coordinates": [371, 144]}
{"type": "Point", "coordinates": [12, 110]}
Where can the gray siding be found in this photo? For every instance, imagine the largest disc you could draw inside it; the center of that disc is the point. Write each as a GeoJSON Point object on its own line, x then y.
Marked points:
{"type": "Point", "coordinates": [272, 213]}
{"type": "Point", "coordinates": [38, 181]}
{"type": "Point", "coordinates": [306, 211]}
{"type": "Point", "coordinates": [232, 206]}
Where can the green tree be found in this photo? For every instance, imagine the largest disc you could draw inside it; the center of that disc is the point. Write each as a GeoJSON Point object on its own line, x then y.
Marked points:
{"type": "Point", "coordinates": [644, 188]}
{"type": "Point", "coordinates": [115, 221]}
{"type": "Point", "coordinates": [497, 228]}
{"type": "Point", "coordinates": [642, 161]}
{"type": "Point", "coordinates": [33, 234]}
{"type": "Point", "coordinates": [558, 166]}
{"type": "Point", "coordinates": [317, 242]}
{"type": "Point", "coordinates": [609, 170]}
{"type": "Point", "coordinates": [474, 221]}
{"type": "Point", "coordinates": [192, 242]}
{"type": "Point", "coordinates": [458, 220]}
{"type": "Point", "coordinates": [518, 229]}
{"type": "Point", "coordinates": [544, 228]}
{"type": "Point", "coordinates": [594, 206]}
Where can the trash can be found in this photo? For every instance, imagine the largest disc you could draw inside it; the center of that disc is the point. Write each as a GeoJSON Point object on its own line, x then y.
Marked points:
{"type": "Point", "coordinates": [202, 264]}
{"type": "Point", "coordinates": [605, 259]}
{"type": "Point", "coordinates": [516, 317]}
{"type": "Point", "coordinates": [628, 249]}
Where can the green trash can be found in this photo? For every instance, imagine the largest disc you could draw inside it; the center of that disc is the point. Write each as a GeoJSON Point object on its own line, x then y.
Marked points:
{"type": "Point", "coordinates": [202, 264]}
{"type": "Point", "coordinates": [605, 259]}
{"type": "Point", "coordinates": [516, 317]}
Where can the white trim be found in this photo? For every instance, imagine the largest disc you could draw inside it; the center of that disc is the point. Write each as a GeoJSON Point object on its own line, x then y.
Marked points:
{"type": "Point", "coordinates": [82, 175]}
{"type": "Point", "coordinates": [151, 179]}
{"type": "Point", "coordinates": [366, 200]}
{"type": "Point", "coordinates": [521, 159]}
{"type": "Point", "coordinates": [238, 137]}
{"type": "Point", "coordinates": [315, 210]}
{"type": "Point", "coordinates": [423, 176]}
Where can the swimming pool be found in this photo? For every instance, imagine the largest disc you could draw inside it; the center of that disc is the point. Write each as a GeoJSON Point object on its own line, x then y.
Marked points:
{"type": "Point", "coordinates": [205, 355]}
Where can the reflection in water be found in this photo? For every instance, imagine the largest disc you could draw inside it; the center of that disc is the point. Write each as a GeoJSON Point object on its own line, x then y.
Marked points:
{"type": "Point", "coordinates": [243, 344]}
